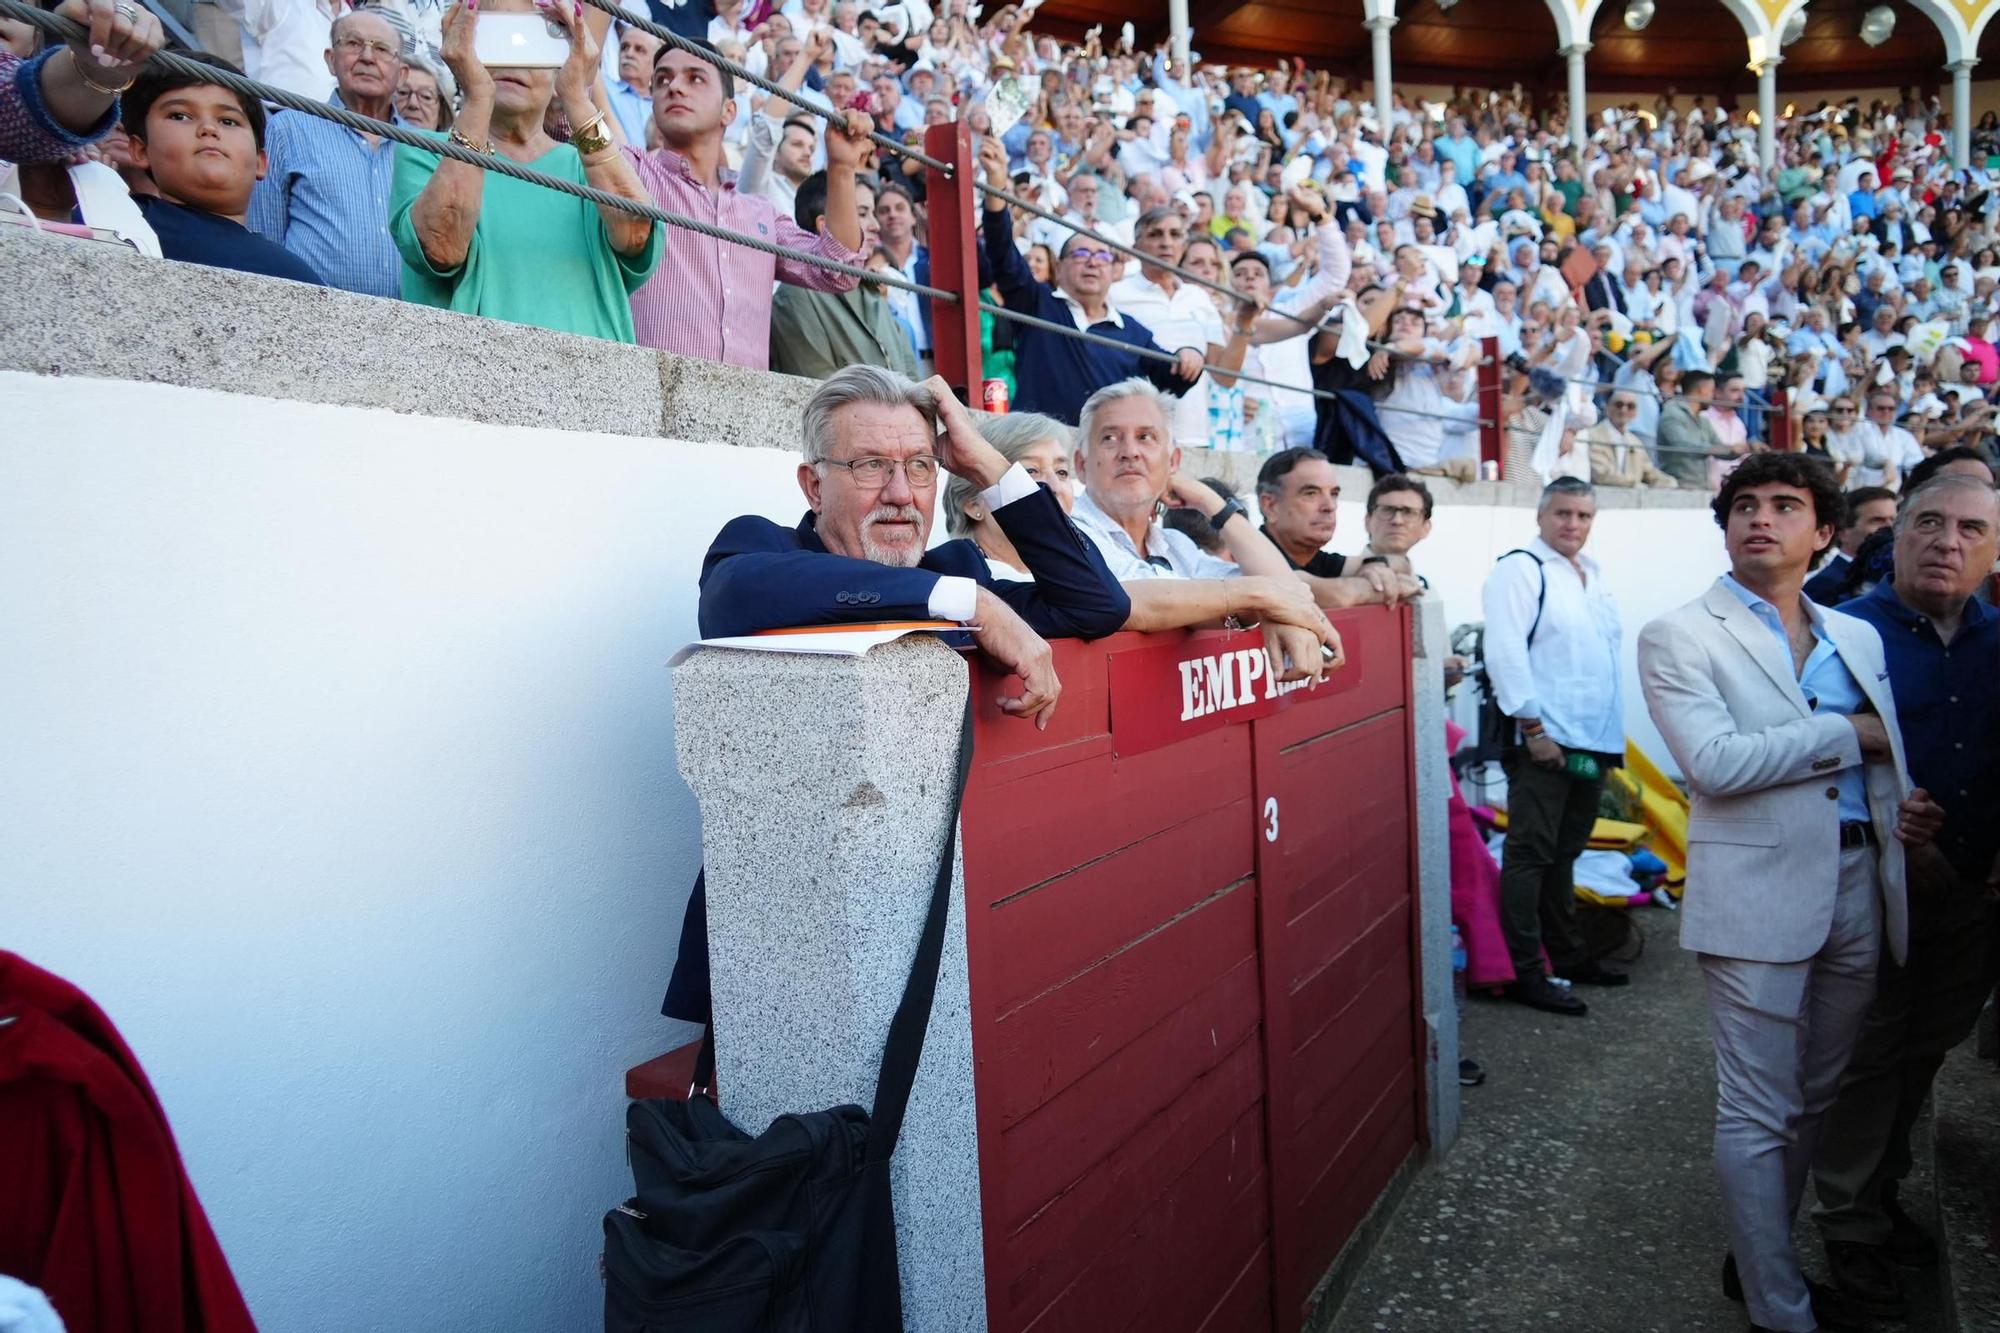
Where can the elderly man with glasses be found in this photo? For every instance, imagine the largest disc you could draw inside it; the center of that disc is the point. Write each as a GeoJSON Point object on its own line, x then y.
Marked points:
{"type": "Point", "coordinates": [1877, 452]}
{"type": "Point", "coordinates": [876, 446]}
{"type": "Point", "coordinates": [326, 195]}
{"type": "Point", "coordinates": [1618, 457]}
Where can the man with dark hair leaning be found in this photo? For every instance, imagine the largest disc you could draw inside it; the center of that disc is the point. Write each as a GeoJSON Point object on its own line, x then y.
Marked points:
{"type": "Point", "coordinates": [1864, 512]}
{"type": "Point", "coordinates": [815, 333]}
{"type": "Point", "coordinates": [1941, 644]}
{"type": "Point", "coordinates": [1398, 516]}
{"type": "Point", "coordinates": [1552, 651]}
{"type": "Point", "coordinates": [1298, 491]}
{"type": "Point", "coordinates": [1781, 716]}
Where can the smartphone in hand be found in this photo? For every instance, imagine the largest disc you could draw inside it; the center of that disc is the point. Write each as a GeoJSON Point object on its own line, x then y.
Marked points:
{"type": "Point", "coordinates": [519, 41]}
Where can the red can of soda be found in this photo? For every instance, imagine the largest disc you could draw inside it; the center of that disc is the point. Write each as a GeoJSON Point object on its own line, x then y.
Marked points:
{"type": "Point", "coordinates": [994, 396]}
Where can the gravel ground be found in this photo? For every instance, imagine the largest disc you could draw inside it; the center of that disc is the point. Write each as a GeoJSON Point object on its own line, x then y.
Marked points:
{"type": "Point", "coordinates": [1581, 1195]}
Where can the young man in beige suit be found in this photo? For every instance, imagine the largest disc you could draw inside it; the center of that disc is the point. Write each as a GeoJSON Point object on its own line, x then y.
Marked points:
{"type": "Point", "coordinates": [1780, 715]}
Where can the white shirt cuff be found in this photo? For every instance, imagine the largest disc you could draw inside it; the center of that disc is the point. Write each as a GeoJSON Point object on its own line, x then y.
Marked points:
{"type": "Point", "coordinates": [1014, 484]}
{"type": "Point", "coordinates": [955, 597]}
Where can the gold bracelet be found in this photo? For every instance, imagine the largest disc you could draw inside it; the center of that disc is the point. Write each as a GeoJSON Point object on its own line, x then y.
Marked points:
{"type": "Point", "coordinates": [592, 138]}
{"type": "Point", "coordinates": [77, 62]}
{"type": "Point", "coordinates": [464, 140]}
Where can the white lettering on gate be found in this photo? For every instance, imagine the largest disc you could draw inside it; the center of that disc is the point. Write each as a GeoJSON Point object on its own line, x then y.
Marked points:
{"type": "Point", "coordinates": [1228, 680]}
{"type": "Point", "coordinates": [1193, 704]}
{"type": "Point", "coordinates": [1221, 682]}
{"type": "Point", "coordinates": [1251, 662]}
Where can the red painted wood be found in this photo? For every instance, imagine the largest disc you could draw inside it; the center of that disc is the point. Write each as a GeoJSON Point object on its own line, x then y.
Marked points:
{"type": "Point", "coordinates": [954, 213]}
{"type": "Point", "coordinates": [665, 1075]}
{"type": "Point", "coordinates": [1047, 1252]}
{"type": "Point", "coordinates": [1192, 1045]}
{"type": "Point", "coordinates": [1057, 1145]}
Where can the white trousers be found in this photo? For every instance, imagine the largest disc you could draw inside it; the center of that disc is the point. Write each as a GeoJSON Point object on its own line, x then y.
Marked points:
{"type": "Point", "coordinates": [1783, 1033]}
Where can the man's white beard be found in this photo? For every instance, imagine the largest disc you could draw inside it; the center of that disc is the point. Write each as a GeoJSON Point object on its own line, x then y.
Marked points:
{"type": "Point", "coordinates": [900, 557]}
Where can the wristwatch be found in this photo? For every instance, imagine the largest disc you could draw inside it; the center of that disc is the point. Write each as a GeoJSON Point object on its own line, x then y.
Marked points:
{"type": "Point", "coordinates": [1222, 516]}
{"type": "Point", "coordinates": [592, 138]}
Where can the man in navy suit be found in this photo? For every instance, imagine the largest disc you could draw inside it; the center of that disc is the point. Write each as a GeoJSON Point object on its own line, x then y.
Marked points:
{"type": "Point", "coordinates": [873, 458]}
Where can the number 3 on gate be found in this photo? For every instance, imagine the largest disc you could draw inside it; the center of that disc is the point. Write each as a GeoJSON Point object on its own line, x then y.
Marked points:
{"type": "Point", "coordinates": [1270, 819]}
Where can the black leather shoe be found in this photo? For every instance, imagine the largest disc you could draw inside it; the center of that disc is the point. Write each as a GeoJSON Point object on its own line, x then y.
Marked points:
{"type": "Point", "coordinates": [1908, 1243]}
{"type": "Point", "coordinates": [1834, 1311]}
{"type": "Point", "coordinates": [1538, 992]}
{"type": "Point", "coordinates": [1865, 1273]}
{"type": "Point", "coordinates": [1594, 974]}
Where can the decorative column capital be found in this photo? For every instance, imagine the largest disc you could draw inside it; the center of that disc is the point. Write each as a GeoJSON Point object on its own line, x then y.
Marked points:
{"type": "Point", "coordinates": [1962, 66]}
{"type": "Point", "coordinates": [1380, 23]}
{"type": "Point", "coordinates": [1769, 62]}
{"type": "Point", "coordinates": [1574, 51]}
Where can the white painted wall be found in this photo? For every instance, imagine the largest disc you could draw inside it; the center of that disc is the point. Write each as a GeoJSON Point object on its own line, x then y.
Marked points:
{"type": "Point", "coordinates": [1654, 560]}
{"type": "Point", "coordinates": [338, 767]}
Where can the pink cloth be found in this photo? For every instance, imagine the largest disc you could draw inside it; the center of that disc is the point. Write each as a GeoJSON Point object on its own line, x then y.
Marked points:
{"type": "Point", "coordinates": [1475, 888]}
{"type": "Point", "coordinates": [1988, 357]}
{"type": "Point", "coordinates": [711, 299]}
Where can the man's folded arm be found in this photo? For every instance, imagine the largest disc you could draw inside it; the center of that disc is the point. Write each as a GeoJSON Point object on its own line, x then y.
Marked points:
{"type": "Point", "coordinates": [1074, 595]}
{"type": "Point", "coordinates": [1717, 759]}
{"type": "Point", "coordinates": [755, 578]}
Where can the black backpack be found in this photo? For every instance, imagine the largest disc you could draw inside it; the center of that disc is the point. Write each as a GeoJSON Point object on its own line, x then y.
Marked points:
{"type": "Point", "coordinates": [790, 1231]}
{"type": "Point", "coordinates": [1497, 731]}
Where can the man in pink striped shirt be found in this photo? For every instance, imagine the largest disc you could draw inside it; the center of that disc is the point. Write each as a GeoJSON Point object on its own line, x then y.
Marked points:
{"type": "Point", "coordinates": [710, 298]}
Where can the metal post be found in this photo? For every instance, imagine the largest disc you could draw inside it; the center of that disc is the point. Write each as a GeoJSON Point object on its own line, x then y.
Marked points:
{"type": "Point", "coordinates": [1178, 38]}
{"type": "Point", "coordinates": [1961, 112]}
{"type": "Point", "coordinates": [1487, 396]}
{"type": "Point", "coordinates": [954, 236]}
{"type": "Point", "coordinates": [1579, 112]}
{"type": "Point", "coordinates": [1767, 112]}
{"type": "Point", "coordinates": [1378, 39]}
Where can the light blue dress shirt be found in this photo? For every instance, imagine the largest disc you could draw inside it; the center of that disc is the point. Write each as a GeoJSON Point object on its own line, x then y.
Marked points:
{"type": "Point", "coordinates": [326, 199]}
{"type": "Point", "coordinates": [1829, 687]}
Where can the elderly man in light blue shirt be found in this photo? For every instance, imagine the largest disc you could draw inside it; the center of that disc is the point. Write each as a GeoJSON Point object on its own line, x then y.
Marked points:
{"type": "Point", "coordinates": [326, 195]}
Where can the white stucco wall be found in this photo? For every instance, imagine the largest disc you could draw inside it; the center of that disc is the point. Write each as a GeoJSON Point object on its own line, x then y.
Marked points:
{"type": "Point", "coordinates": [338, 767]}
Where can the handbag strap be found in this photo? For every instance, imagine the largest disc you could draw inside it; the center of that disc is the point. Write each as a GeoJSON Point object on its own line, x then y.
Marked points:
{"type": "Point", "coordinates": [905, 1046]}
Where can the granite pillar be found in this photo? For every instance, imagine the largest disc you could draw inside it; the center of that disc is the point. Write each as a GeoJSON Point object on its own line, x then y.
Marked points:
{"type": "Point", "coordinates": [1430, 644]}
{"type": "Point", "coordinates": [824, 784]}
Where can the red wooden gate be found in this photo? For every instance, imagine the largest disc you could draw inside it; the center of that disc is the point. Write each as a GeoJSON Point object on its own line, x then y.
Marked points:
{"type": "Point", "coordinates": [1191, 914]}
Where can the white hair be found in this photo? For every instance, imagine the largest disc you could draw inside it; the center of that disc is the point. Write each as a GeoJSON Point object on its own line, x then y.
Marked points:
{"type": "Point", "coordinates": [1086, 421]}
{"type": "Point", "coordinates": [1013, 435]}
{"type": "Point", "coordinates": [859, 384]}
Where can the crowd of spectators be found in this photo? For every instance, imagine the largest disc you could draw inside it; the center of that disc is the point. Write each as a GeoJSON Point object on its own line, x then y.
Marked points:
{"type": "Point", "coordinates": [1662, 306]}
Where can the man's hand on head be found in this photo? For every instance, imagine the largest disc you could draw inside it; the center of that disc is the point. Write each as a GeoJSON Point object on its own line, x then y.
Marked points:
{"type": "Point", "coordinates": [1006, 638]}
{"type": "Point", "coordinates": [961, 449]}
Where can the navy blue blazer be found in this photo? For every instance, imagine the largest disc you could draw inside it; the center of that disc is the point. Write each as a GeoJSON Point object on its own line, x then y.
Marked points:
{"type": "Point", "coordinates": [760, 576]}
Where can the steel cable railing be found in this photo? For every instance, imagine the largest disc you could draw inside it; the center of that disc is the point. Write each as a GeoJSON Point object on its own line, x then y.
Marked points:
{"type": "Point", "coordinates": [167, 60]}
{"type": "Point", "coordinates": [736, 71]}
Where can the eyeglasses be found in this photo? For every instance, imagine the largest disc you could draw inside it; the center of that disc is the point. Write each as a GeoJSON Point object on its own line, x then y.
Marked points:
{"type": "Point", "coordinates": [1084, 255]}
{"type": "Point", "coordinates": [1398, 513]}
{"type": "Point", "coordinates": [355, 47]}
{"type": "Point", "coordinates": [421, 96]}
{"type": "Point", "coordinates": [873, 474]}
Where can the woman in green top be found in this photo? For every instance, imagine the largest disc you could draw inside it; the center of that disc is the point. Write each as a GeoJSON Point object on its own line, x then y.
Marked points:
{"type": "Point", "coordinates": [487, 244]}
